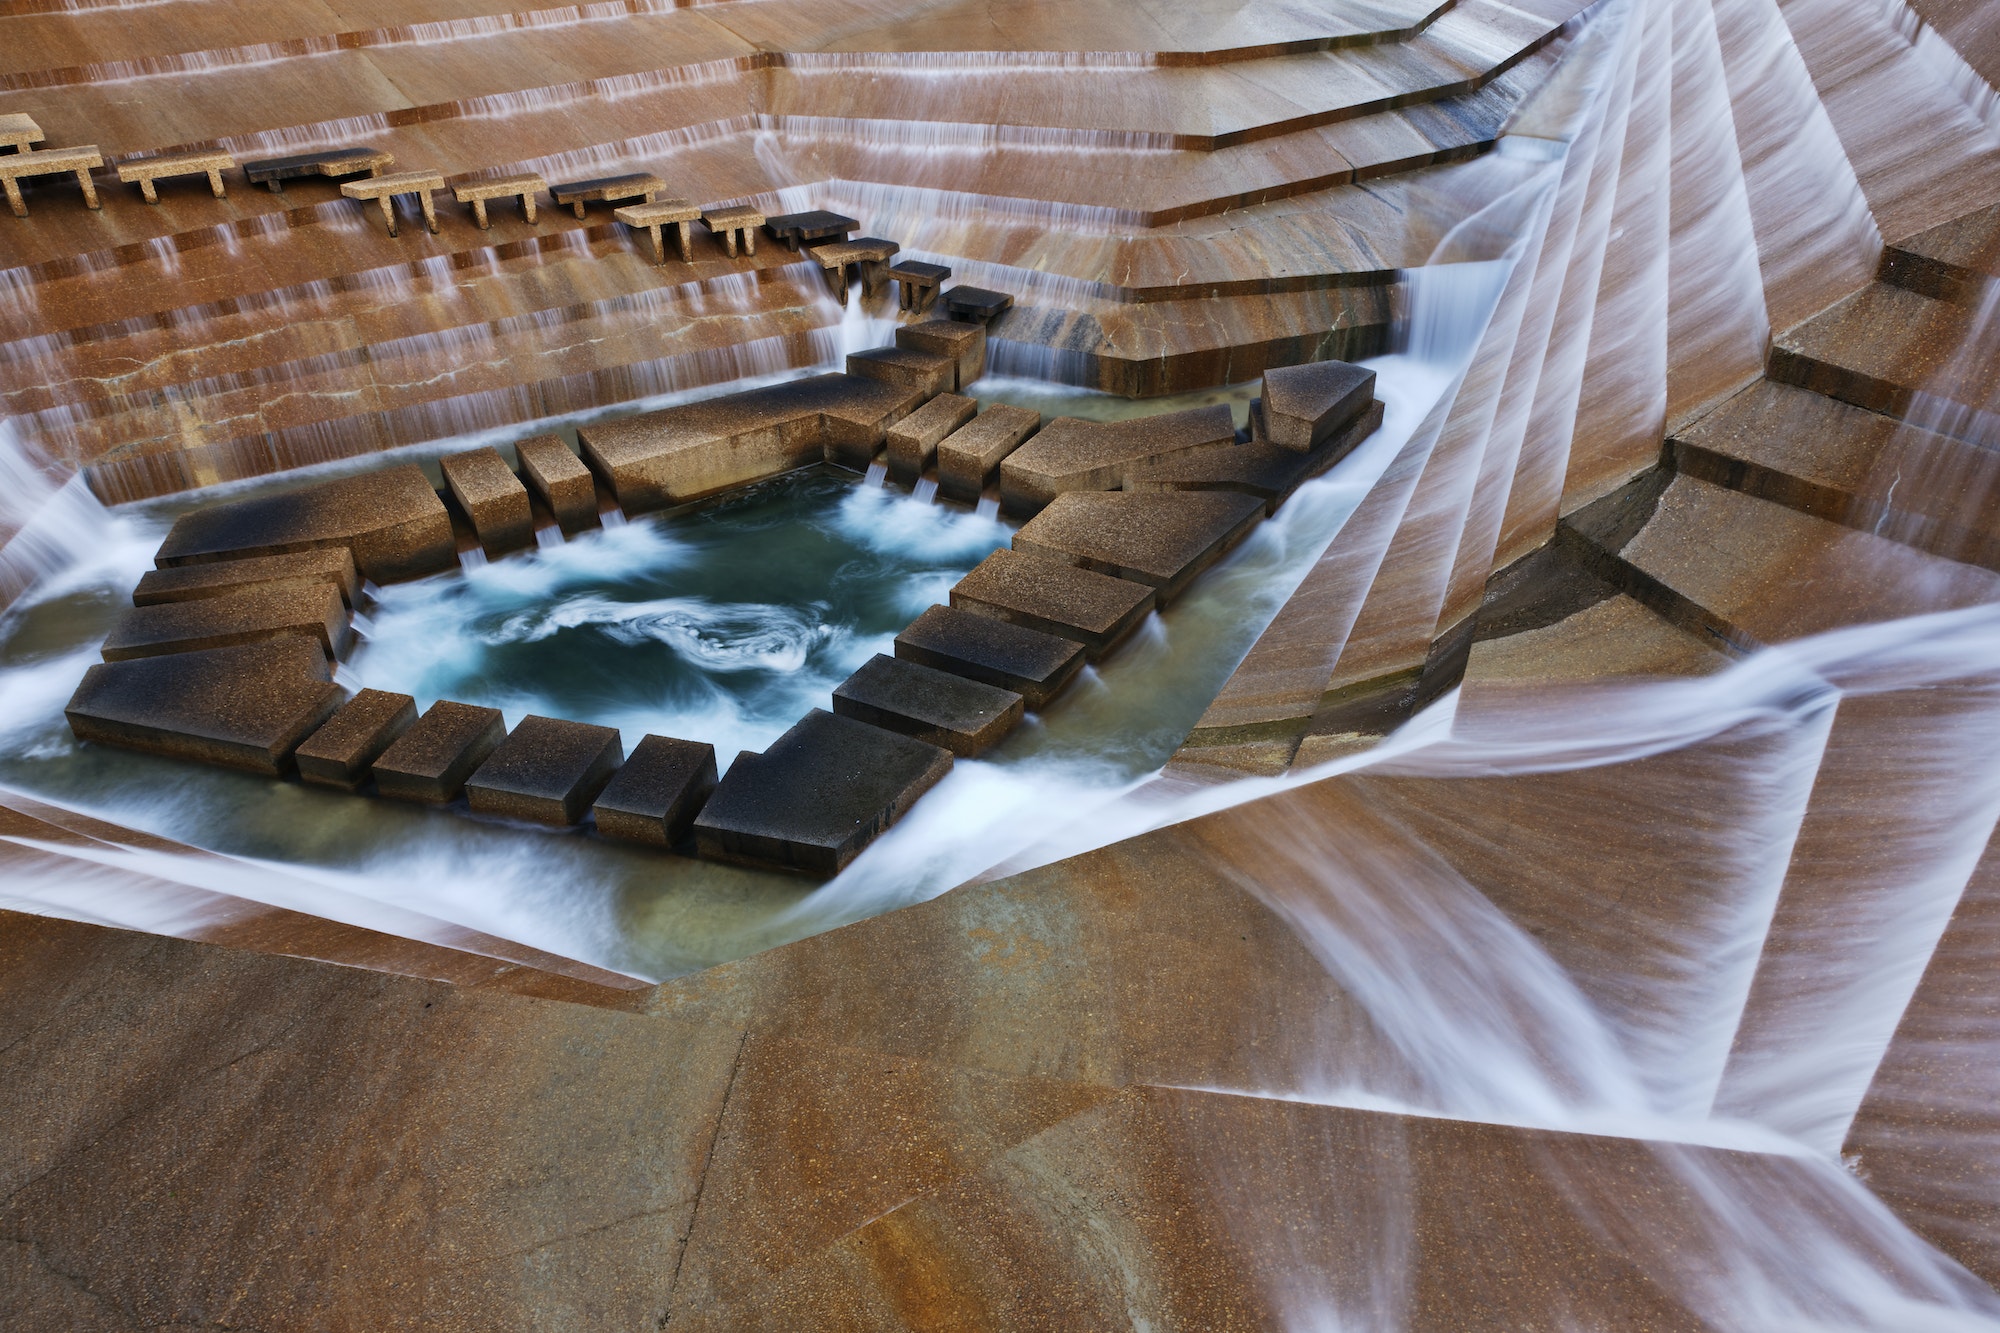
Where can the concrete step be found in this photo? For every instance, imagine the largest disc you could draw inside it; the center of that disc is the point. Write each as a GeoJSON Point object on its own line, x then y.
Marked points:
{"type": "Point", "coordinates": [1952, 261]}
{"type": "Point", "coordinates": [1893, 351]}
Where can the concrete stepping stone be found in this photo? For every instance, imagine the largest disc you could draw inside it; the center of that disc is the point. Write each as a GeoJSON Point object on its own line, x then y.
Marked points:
{"type": "Point", "coordinates": [311, 608]}
{"type": "Point", "coordinates": [1160, 540]}
{"type": "Point", "coordinates": [245, 707]}
{"type": "Point", "coordinates": [431, 761]}
{"type": "Point", "coordinates": [869, 254]}
{"type": "Point", "coordinates": [559, 479]}
{"type": "Point", "coordinates": [1095, 610]}
{"type": "Point", "coordinates": [965, 344]}
{"type": "Point", "coordinates": [796, 229]}
{"type": "Point", "coordinates": [820, 794]}
{"type": "Point", "coordinates": [966, 717]}
{"type": "Point", "coordinates": [492, 497]}
{"type": "Point", "coordinates": [929, 373]}
{"type": "Point", "coordinates": [1032, 664]}
{"type": "Point", "coordinates": [976, 303]}
{"type": "Point", "coordinates": [186, 583]}
{"type": "Point", "coordinates": [655, 797]}
{"type": "Point", "coordinates": [913, 441]}
{"type": "Point", "coordinates": [1074, 455]}
{"type": "Point", "coordinates": [341, 752]}
{"type": "Point", "coordinates": [391, 521]}
{"type": "Point", "coordinates": [969, 458]}
{"type": "Point", "coordinates": [1304, 406]}
{"type": "Point", "coordinates": [1259, 468]}
{"type": "Point", "coordinates": [917, 283]}
{"type": "Point", "coordinates": [699, 449]}
{"type": "Point", "coordinates": [547, 771]}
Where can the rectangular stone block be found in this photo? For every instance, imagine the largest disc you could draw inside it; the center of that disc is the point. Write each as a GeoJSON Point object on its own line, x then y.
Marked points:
{"type": "Point", "coordinates": [1069, 454]}
{"type": "Point", "coordinates": [1095, 610]}
{"type": "Point", "coordinates": [1259, 468]}
{"type": "Point", "coordinates": [654, 798]}
{"type": "Point", "coordinates": [964, 343]}
{"type": "Point", "coordinates": [391, 521]}
{"type": "Point", "coordinates": [913, 441]}
{"type": "Point", "coordinates": [1304, 406]}
{"type": "Point", "coordinates": [187, 583]}
{"type": "Point", "coordinates": [1032, 664]}
{"type": "Point", "coordinates": [340, 753]}
{"type": "Point", "coordinates": [308, 607]}
{"type": "Point", "coordinates": [970, 457]}
{"type": "Point", "coordinates": [964, 716]}
{"type": "Point", "coordinates": [1158, 539]}
{"type": "Point", "coordinates": [926, 372]}
{"type": "Point", "coordinates": [492, 497]}
{"type": "Point", "coordinates": [431, 761]}
{"type": "Point", "coordinates": [245, 707]}
{"type": "Point", "coordinates": [559, 478]}
{"type": "Point", "coordinates": [814, 800]}
{"type": "Point", "coordinates": [699, 449]}
{"type": "Point", "coordinates": [547, 771]}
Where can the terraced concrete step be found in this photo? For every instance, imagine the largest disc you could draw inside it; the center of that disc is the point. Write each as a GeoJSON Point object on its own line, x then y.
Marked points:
{"type": "Point", "coordinates": [1952, 261]}
{"type": "Point", "coordinates": [1740, 572]}
{"type": "Point", "coordinates": [1826, 458]}
{"type": "Point", "coordinates": [1883, 347]}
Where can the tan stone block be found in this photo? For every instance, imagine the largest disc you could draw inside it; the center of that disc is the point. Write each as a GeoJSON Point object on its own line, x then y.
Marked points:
{"type": "Point", "coordinates": [492, 497]}
{"type": "Point", "coordinates": [913, 441]}
{"type": "Point", "coordinates": [247, 614]}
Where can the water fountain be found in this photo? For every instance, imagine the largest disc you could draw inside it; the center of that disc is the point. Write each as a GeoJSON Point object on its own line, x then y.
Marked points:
{"type": "Point", "coordinates": [1539, 877]}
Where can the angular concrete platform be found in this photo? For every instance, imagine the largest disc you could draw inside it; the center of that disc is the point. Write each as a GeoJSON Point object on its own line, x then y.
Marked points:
{"type": "Point", "coordinates": [896, 694]}
{"type": "Point", "coordinates": [242, 707]}
{"type": "Point", "coordinates": [492, 498]}
{"type": "Point", "coordinates": [913, 441]}
{"type": "Point", "coordinates": [559, 480]}
{"type": "Point", "coordinates": [927, 373]}
{"type": "Point", "coordinates": [969, 458]}
{"type": "Point", "coordinates": [1095, 610]}
{"type": "Point", "coordinates": [820, 794]}
{"type": "Point", "coordinates": [1158, 539]}
{"type": "Point", "coordinates": [699, 449]}
{"type": "Point", "coordinates": [1259, 468]}
{"type": "Point", "coordinates": [431, 761]}
{"type": "Point", "coordinates": [996, 652]}
{"type": "Point", "coordinates": [1306, 405]}
{"type": "Point", "coordinates": [654, 798]}
{"type": "Point", "coordinates": [547, 771]}
{"type": "Point", "coordinates": [340, 753]}
{"type": "Point", "coordinates": [1070, 454]}
{"type": "Point", "coordinates": [309, 607]}
{"type": "Point", "coordinates": [965, 344]}
{"type": "Point", "coordinates": [186, 583]}
{"type": "Point", "coordinates": [391, 521]}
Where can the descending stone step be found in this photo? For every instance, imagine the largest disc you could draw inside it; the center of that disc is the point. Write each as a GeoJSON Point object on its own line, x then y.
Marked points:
{"type": "Point", "coordinates": [1835, 461]}
{"type": "Point", "coordinates": [491, 497]}
{"type": "Point", "coordinates": [1095, 610]}
{"type": "Point", "coordinates": [897, 694]}
{"type": "Point", "coordinates": [1256, 468]}
{"type": "Point", "coordinates": [1742, 573]}
{"type": "Point", "coordinates": [1027, 662]}
{"type": "Point", "coordinates": [1952, 261]}
{"type": "Point", "coordinates": [243, 707]}
{"type": "Point", "coordinates": [391, 521]}
{"type": "Point", "coordinates": [311, 608]}
{"type": "Point", "coordinates": [1157, 539]}
{"type": "Point", "coordinates": [1070, 454]}
{"type": "Point", "coordinates": [1883, 346]}
{"type": "Point", "coordinates": [968, 460]}
{"type": "Point", "coordinates": [655, 797]}
{"type": "Point", "coordinates": [548, 771]}
{"type": "Point", "coordinates": [818, 796]}
{"type": "Point", "coordinates": [332, 565]}
{"type": "Point", "coordinates": [430, 762]}
{"type": "Point", "coordinates": [341, 753]}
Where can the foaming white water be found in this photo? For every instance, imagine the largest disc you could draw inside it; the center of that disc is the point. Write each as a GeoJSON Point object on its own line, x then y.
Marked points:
{"type": "Point", "coordinates": [54, 535]}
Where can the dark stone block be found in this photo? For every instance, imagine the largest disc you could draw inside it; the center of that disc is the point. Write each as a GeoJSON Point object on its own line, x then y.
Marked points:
{"type": "Point", "coordinates": [547, 771]}
{"type": "Point", "coordinates": [560, 479]}
{"type": "Point", "coordinates": [339, 753]}
{"type": "Point", "coordinates": [926, 373]}
{"type": "Point", "coordinates": [391, 521]}
{"type": "Point", "coordinates": [822, 792]}
{"type": "Point", "coordinates": [1159, 539]}
{"type": "Point", "coordinates": [492, 497]}
{"type": "Point", "coordinates": [431, 761]}
{"type": "Point", "coordinates": [965, 344]}
{"type": "Point", "coordinates": [304, 607]}
{"type": "Point", "coordinates": [186, 583]}
{"type": "Point", "coordinates": [964, 716]}
{"type": "Point", "coordinates": [656, 795]}
{"type": "Point", "coordinates": [1306, 405]}
{"type": "Point", "coordinates": [796, 229]}
{"type": "Point", "coordinates": [1028, 662]}
{"type": "Point", "coordinates": [970, 457]}
{"type": "Point", "coordinates": [244, 707]}
{"type": "Point", "coordinates": [1056, 598]}
{"type": "Point", "coordinates": [976, 303]}
{"type": "Point", "coordinates": [913, 441]}
{"type": "Point", "coordinates": [1259, 468]}
{"type": "Point", "coordinates": [1069, 454]}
